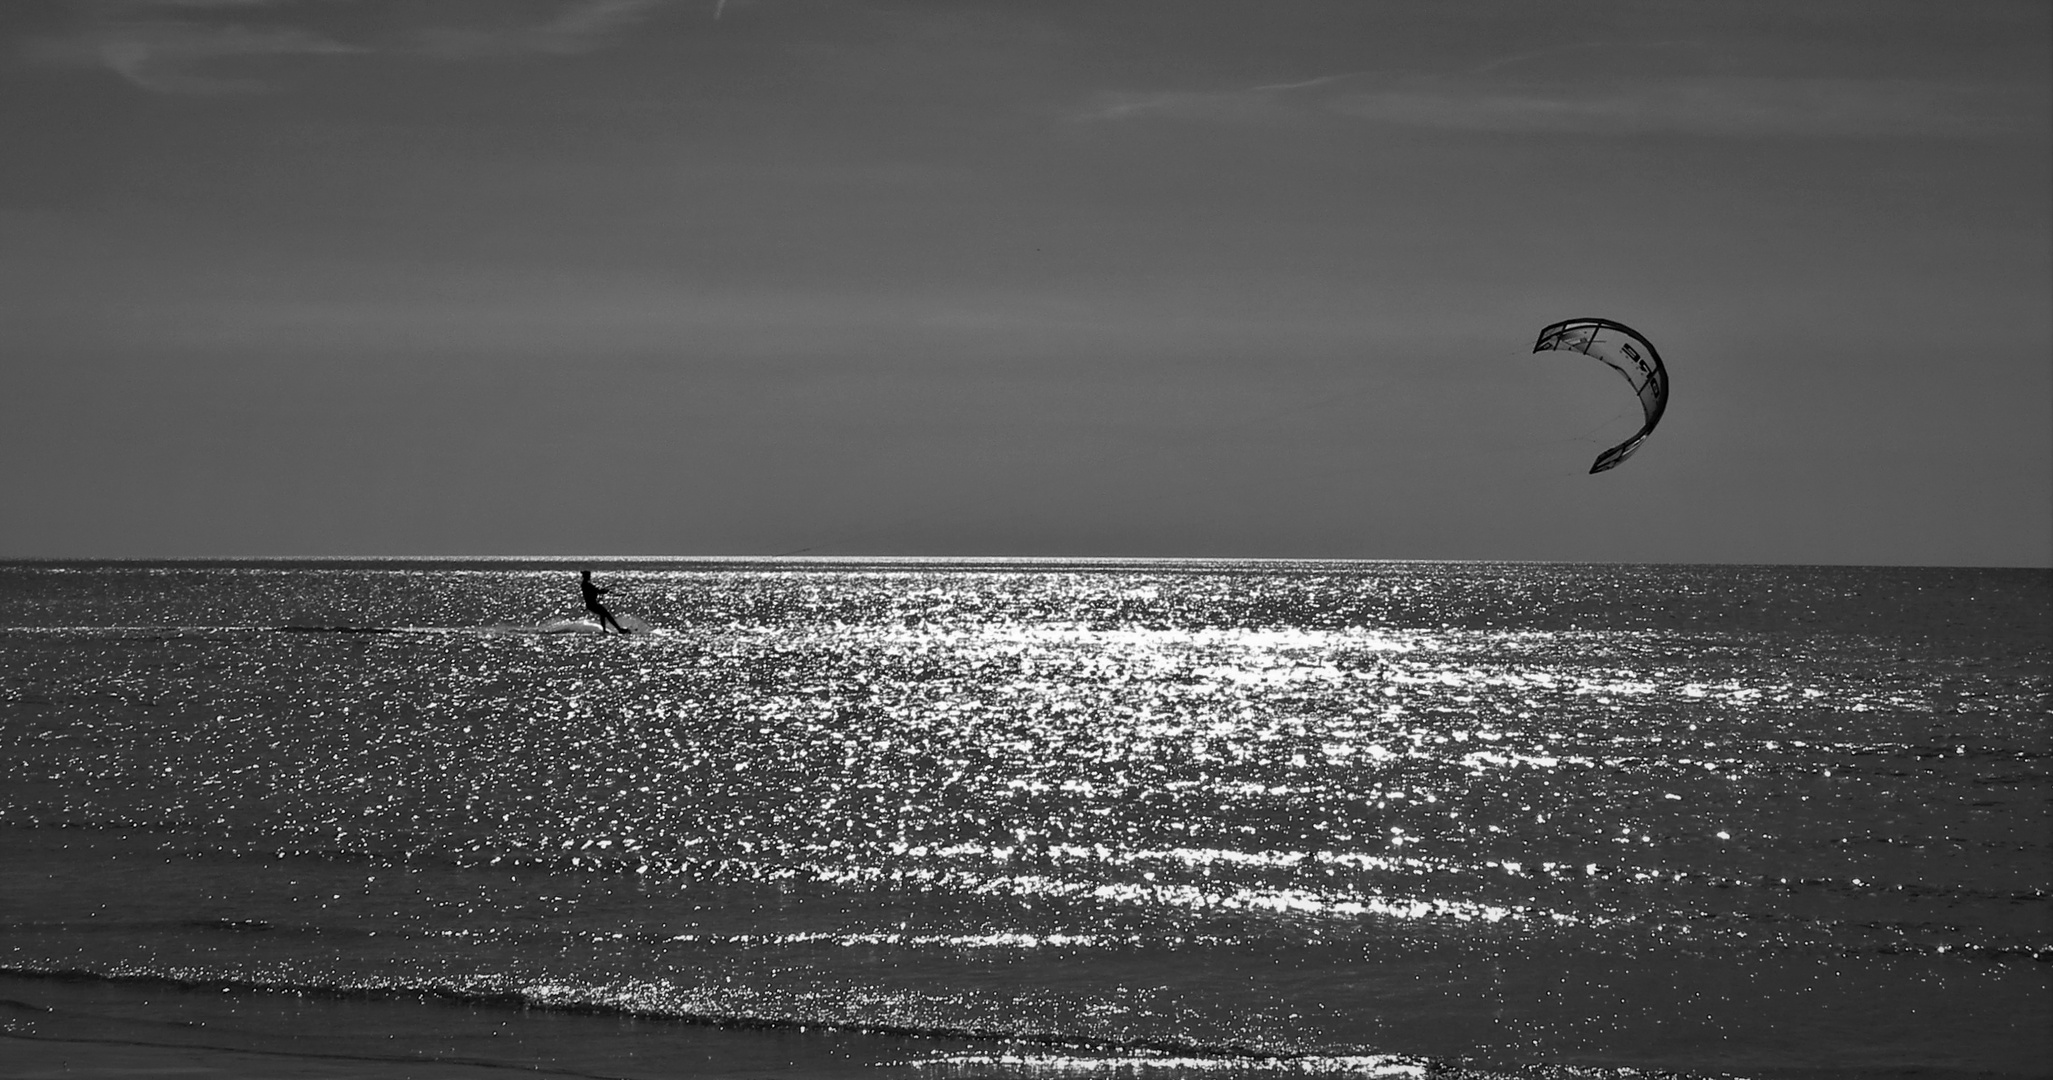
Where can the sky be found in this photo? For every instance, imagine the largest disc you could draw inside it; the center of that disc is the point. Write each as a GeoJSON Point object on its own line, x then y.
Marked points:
{"type": "Point", "coordinates": [1198, 278]}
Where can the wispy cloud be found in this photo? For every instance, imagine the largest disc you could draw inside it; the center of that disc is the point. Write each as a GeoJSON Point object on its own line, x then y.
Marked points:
{"type": "Point", "coordinates": [1707, 106]}
{"type": "Point", "coordinates": [1715, 106]}
{"type": "Point", "coordinates": [1271, 103]}
{"type": "Point", "coordinates": [180, 46]}
{"type": "Point", "coordinates": [170, 57]}
{"type": "Point", "coordinates": [576, 28]}
{"type": "Point", "coordinates": [1223, 105]}
{"type": "Point", "coordinates": [168, 45]}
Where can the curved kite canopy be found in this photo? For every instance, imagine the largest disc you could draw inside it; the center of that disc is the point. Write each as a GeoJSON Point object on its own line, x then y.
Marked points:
{"type": "Point", "coordinates": [1623, 348]}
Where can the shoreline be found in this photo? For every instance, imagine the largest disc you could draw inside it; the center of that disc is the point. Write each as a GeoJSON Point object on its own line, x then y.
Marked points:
{"type": "Point", "coordinates": [81, 1025]}
{"type": "Point", "coordinates": [38, 1057]}
{"type": "Point", "coordinates": [16, 984]}
{"type": "Point", "coordinates": [72, 1025]}
{"type": "Point", "coordinates": [65, 1024]}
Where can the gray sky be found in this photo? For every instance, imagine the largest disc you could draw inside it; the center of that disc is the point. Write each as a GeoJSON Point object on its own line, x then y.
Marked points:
{"type": "Point", "coordinates": [1191, 277]}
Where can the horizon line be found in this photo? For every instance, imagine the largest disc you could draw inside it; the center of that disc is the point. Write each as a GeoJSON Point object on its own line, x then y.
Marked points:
{"type": "Point", "coordinates": [630, 562]}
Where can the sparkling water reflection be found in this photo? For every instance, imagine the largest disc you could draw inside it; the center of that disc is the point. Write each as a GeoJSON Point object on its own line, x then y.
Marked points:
{"type": "Point", "coordinates": [1506, 813]}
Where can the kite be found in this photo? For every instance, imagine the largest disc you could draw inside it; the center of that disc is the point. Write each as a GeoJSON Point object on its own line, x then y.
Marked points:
{"type": "Point", "coordinates": [1623, 348]}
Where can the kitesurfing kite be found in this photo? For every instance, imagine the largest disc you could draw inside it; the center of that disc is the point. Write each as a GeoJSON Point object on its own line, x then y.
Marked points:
{"type": "Point", "coordinates": [1623, 348]}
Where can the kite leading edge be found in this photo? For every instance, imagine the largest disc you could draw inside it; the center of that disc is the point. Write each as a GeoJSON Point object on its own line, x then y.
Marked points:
{"type": "Point", "coordinates": [1632, 355]}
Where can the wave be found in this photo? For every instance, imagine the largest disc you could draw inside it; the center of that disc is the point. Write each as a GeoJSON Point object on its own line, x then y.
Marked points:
{"type": "Point", "coordinates": [303, 1055]}
{"type": "Point", "coordinates": [561, 999]}
{"type": "Point", "coordinates": [934, 1051]}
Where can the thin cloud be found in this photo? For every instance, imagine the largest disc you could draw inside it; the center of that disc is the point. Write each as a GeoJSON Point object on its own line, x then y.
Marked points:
{"type": "Point", "coordinates": [168, 57]}
{"type": "Point", "coordinates": [1717, 107]}
{"type": "Point", "coordinates": [178, 46]}
{"type": "Point", "coordinates": [167, 45]}
{"type": "Point", "coordinates": [1274, 102]}
{"type": "Point", "coordinates": [1305, 84]}
{"type": "Point", "coordinates": [1554, 54]}
{"type": "Point", "coordinates": [578, 28]}
{"type": "Point", "coordinates": [132, 6]}
{"type": "Point", "coordinates": [1711, 106]}
{"type": "Point", "coordinates": [1224, 105]}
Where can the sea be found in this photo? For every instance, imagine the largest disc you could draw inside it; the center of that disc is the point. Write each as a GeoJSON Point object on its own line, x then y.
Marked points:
{"type": "Point", "coordinates": [1030, 819]}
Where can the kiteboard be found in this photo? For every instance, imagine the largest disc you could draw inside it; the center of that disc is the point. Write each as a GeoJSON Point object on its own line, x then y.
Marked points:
{"type": "Point", "coordinates": [586, 624]}
{"type": "Point", "coordinates": [579, 624]}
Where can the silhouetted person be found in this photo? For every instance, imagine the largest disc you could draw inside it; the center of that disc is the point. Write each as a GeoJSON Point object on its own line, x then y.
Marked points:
{"type": "Point", "coordinates": [592, 593]}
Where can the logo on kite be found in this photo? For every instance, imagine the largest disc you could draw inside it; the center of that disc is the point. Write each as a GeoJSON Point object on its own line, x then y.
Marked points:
{"type": "Point", "coordinates": [1633, 356]}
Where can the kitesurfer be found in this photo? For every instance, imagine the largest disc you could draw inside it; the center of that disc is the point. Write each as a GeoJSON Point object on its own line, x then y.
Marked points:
{"type": "Point", "coordinates": [592, 593]}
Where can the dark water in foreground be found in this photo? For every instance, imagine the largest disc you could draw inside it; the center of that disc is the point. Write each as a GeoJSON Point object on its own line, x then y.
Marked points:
{"type": "Point", "coordinates": [1156, 819]}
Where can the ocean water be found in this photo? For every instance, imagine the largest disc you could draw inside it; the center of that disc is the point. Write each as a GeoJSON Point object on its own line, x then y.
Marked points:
{"type": "Point", "coordinates": [934, 819]}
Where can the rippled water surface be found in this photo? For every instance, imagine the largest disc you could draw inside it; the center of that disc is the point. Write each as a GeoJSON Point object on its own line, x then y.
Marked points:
{"type": "Point", "coordinates": [1169, 817]}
